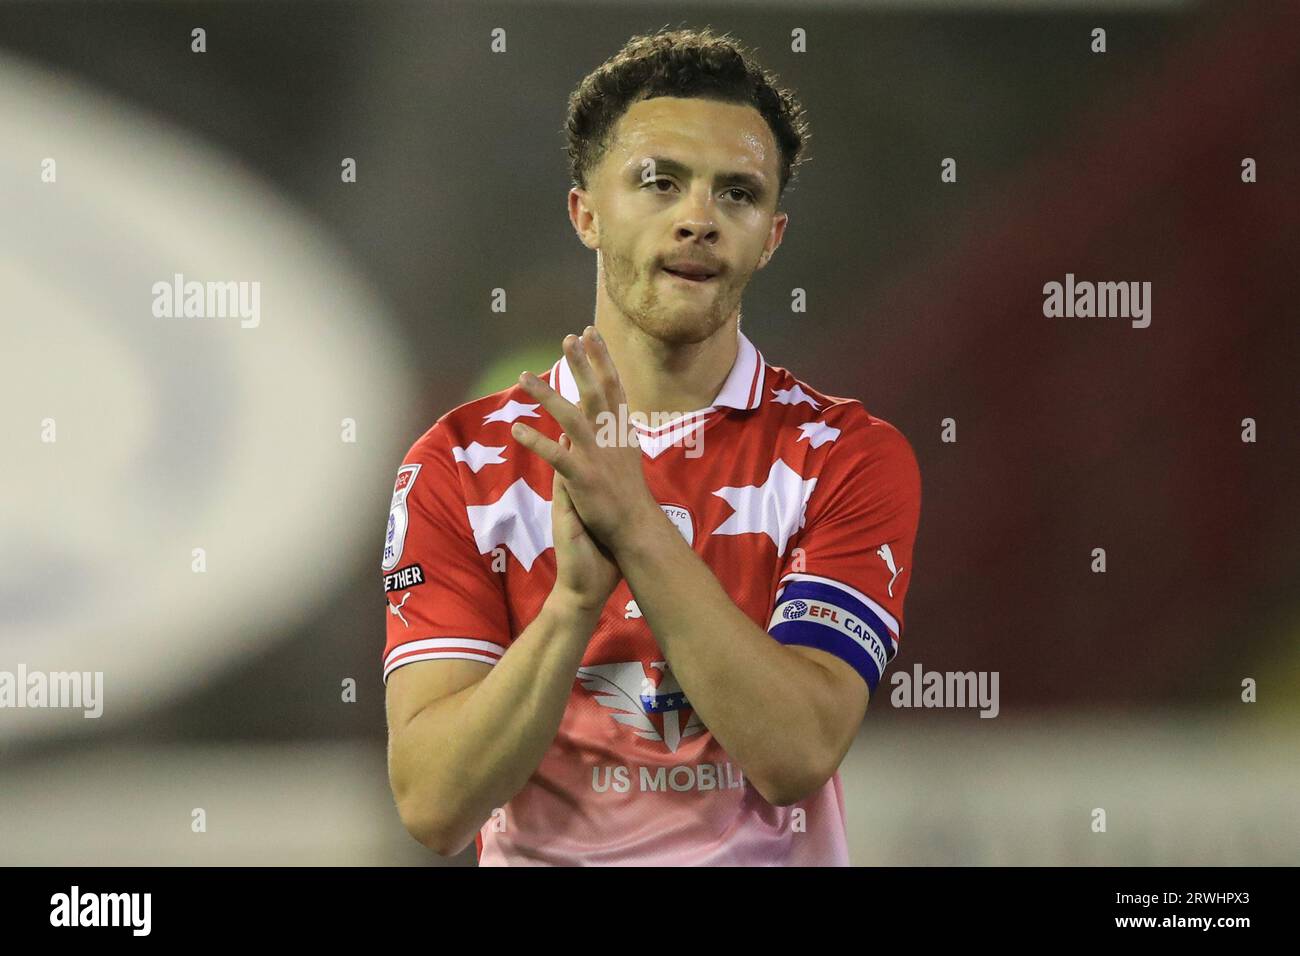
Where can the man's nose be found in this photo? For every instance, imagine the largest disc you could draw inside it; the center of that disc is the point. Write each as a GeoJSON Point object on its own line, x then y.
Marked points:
{"type": "Point", "coordinates": [697, 219]}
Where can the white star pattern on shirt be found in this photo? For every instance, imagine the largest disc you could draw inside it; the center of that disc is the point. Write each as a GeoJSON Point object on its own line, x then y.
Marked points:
{"type": "Point", "coordinates": [774, 508]}
{"type": "Point", "coordinates": [512, 410]}
{"type": "Point", "coordinates": [520, 519]}
{"type": "Point", "coordinates": [793, 396]}
{"type": "Point", "coordinates": [817, 433]}
{"type": "Point", "coordinates": [476, 455]}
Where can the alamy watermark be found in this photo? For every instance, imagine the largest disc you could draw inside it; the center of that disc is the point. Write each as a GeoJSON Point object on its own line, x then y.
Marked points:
{"type": "Point", "coordinates": [75, 908]}
{"type": "Point", "coordinates": [954, 689]}
{"type": "Point", "coordinates": [670, 429]}
{"type": "Point", "coordinates": [1122, 300]}
{"type": "Point", "coordinates": [179, 299]}
{"type": "Point", "coordinates": [74, 690]}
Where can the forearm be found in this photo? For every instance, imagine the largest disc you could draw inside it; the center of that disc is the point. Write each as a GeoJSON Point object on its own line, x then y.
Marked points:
{"type": "Point", "coordinates": [757, 697]}
{"type": "Point", "coordinates": [462, 757]}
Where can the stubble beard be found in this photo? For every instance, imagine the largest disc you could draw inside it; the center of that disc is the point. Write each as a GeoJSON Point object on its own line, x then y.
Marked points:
{"type": "Point", "coordinates": [637, 294]}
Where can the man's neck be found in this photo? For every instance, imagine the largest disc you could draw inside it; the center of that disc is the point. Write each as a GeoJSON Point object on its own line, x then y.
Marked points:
{"type": "Point", "coordinates": [662, 378]}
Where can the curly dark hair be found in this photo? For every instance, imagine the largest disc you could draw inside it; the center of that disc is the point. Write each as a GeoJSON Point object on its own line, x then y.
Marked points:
{"type": "Point", "coordinates": [686, 63]}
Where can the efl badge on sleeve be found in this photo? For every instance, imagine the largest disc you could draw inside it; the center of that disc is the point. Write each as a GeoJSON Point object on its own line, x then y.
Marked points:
{"type": "Point", "coordinates": [397, 518]}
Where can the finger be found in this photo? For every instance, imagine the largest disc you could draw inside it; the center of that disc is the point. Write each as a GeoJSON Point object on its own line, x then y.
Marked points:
{"type": "Point", "coordinates": [591, 394]}
{"type": "Point", "coordinates": [562, 510]}
{"type": "Point", "coordinates": [602, 364]}
{"type": "Point", "coordinates": [548, 450]}
{"type": "Point", "coordinates": [568, 415]}
{"type": "Point", "coordinates": [559, 498]}
{"type": "Point", "coordinates": [560, 491]}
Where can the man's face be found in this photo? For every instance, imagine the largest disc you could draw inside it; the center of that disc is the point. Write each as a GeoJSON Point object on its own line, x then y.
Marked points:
{"type": "Point", "coordinates": [687, 185]}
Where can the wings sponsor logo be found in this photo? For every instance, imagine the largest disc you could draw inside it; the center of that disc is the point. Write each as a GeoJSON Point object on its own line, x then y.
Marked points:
{"type": "Point", "coordinates": [403, 578]}
{"type": "Point", "coordinates": [649, 700]}
{"type": "Point", "coordinates": [395, 539]}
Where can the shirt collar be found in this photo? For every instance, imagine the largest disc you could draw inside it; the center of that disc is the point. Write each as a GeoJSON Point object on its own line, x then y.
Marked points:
{"type": "Point", "coordinates": [742, 389]}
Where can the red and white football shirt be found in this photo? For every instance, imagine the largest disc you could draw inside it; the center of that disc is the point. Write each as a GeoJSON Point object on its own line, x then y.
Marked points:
{"type": "Point", "coordinates": [805, 507]}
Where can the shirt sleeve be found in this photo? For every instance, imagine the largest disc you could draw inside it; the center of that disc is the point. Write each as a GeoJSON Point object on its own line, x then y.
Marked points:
{"type": "Point", "coordinates": [444, 600]}
{"type": "Point", "coordinates": [842, 586]}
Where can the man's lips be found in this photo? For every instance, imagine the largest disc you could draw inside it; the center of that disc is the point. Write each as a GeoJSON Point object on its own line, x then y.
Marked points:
{"type": "Point", "coordinates": [690, 271]}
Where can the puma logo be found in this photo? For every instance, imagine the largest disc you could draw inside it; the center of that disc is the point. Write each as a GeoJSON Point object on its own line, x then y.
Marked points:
{"type": "Point", "coordinates": [396, 609]}
{"type": "Point", "coordinates": [886, 555]}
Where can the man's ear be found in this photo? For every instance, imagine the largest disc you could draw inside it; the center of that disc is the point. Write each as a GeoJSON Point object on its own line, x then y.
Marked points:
{"type": "Point", "coordinates": [774, 237]}
{"type": "Point", "coordinates": [583, 217]}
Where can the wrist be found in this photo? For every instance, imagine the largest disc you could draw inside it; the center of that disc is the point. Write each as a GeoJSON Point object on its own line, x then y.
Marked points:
{"type": "Point", "coordinates": [570, 608]}
{"type": "Point", "coordinates": [640, 530]}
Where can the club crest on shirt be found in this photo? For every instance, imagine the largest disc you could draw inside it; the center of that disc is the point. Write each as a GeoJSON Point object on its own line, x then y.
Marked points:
{"type": "Point", "coordinates": [681, 518]}
{"type": "Point", "coordinates": [647, 699]}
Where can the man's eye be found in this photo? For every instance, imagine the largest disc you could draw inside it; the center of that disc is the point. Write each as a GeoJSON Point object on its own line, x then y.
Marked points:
{"type": "Point", "coordinates": [745, 195]}
{"type": "Point", "coordinates": [655, 182]}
